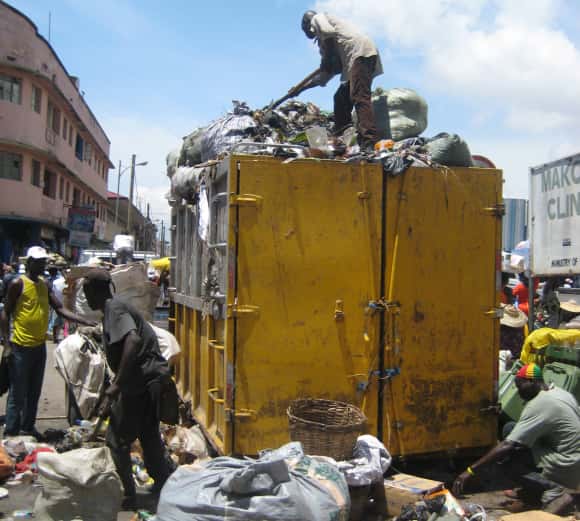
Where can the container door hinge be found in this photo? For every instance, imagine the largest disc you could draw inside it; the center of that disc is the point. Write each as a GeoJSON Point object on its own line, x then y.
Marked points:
{"type": "Point", "coordinates": [239, 310]}
{"type": "Point", "coordinates": [363, 195]}
{"type": "Point", "coordinates": [497, 210]}
{"type": "Point", "coordinates": [494, 313]}
{"type": "Point", "coordinates": [246, 200]}
{"type": "Point", "coordinates": [241, 414]}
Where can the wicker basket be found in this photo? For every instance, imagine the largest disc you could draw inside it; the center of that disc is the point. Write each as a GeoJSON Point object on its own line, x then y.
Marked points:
{"type": "Point", "coordinates": [325, 427]}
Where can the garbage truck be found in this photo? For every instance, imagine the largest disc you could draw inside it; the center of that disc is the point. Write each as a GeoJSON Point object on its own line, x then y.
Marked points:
{"type": "Point", "coordinates": [316, 278]}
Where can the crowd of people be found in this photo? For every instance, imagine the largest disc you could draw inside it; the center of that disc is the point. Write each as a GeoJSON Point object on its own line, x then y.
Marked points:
{"type": "Point", "coordinates": [32, 310]}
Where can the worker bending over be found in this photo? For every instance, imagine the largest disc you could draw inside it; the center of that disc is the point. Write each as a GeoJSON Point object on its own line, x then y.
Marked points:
{"type": "Point", "coordinates": [347, 51]}
{"type": "Point", "coordinates": [549, 427]}
{"type": "Point", "coordinates": [134, 397]}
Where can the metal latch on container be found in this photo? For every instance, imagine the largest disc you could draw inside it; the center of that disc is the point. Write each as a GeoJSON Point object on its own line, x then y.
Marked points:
{"type": "Point", "coordinates": [494, 313]}
{"type": "Point", "coordinates": [236, 310]}
{"type": "Point", "coordinates": [383, 305]}
{"type": "Point", "coordinates": [246, 200]}
{"type": "Point", "coordinates": [491, 409]}
{"type": "Point", "coordinates": [497, 210]}
{"type": "Point", "coordinates": [241, 414]}
{"type": "Point", "coordinates": [388, 373]}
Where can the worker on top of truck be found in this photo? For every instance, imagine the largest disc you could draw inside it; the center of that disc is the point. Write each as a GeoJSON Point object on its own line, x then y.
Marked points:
{"type": "Point", "coordinates": [545, 437]}
{"type": "Point", "coordinates": [347, 51]}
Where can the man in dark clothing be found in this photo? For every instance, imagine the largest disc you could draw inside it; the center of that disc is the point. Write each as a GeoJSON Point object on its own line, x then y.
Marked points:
{"type": "Point", "coordinates": [345, 50]}
{"type": "Point", "coordinates": [133, 398]}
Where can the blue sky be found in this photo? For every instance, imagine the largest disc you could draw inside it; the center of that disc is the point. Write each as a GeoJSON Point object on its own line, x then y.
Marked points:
{"type": "Point", "coordinates": [503, 77]}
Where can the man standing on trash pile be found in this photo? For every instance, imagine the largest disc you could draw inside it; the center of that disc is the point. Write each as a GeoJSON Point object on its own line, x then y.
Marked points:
{"type": "Point", "coordinates": [133, 399]}
{"type": "Point", "coordinates": [545, 436]}
{"type": "Point", "coordinates": [347, 51]}
{"type": "Point", "coordinates": [27, 303]}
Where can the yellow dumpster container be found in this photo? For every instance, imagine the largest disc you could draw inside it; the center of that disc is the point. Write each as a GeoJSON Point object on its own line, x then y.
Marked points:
{"type": "Point", "coordinates": [333, 280]}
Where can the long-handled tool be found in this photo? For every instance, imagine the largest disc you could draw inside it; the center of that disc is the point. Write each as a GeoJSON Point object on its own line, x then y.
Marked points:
{"type": "Point", "coordinates": [97, 428]}
{"type": "Point", "coordinates": [294, 91]}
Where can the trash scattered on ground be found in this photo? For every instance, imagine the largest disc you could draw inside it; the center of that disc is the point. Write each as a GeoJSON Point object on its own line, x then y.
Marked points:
{"type": "Point", "coordinates": [186, 445]}
{"type": "Point", "coordinates": [3, 493]}
{"type": "Point", "coordinates": [405, 489]}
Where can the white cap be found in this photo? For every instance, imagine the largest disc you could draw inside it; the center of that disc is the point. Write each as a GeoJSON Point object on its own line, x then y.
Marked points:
{"type": "Point", "coordinates": [36, 252]}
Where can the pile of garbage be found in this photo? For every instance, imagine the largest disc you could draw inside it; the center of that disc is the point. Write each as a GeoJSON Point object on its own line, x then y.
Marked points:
{"type": "Point", "coordinates": [297, 130]}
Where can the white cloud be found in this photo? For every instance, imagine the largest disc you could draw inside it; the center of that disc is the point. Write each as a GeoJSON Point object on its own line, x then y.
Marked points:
{"type": "Point", "coordinates": [505, 52]}
{"type": "Point", "coordinates": [150, 142]}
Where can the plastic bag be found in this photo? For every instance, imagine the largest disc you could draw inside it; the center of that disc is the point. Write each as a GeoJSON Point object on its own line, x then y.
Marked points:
{"type": "Point", "coordinates": [82, 483]}
{"type": "Point", "coordinates": [191, 149]}
{"type": "Point", "coordinates": [168, 344]}
{"type": "Point", "coordinates": [371, 460]}
{"type": "Point", "coordinates": [185, 182]}
{"type": "Point", "coordinates": [224, 133]}
{"type": "Point", "coordinates": [449, 149]}
{"type": "Point", "coordinates": [283, 485]}
{"type": "Point", "coordinates": [399, 113]}
{"type": "Point", "coordinates": [83, 368]}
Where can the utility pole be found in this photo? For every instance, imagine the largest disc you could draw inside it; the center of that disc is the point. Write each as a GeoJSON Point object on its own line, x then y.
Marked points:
{"type": "Point", "coordinates": [162, 238]}
{"type": "Point", "coordinates": [130, 206]}
{"type": "Point", "coordinates": [117, 201]}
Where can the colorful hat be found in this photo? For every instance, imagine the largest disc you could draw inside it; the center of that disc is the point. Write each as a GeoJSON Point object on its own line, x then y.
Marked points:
{"type": "Point", "coordinates": [530, 372]}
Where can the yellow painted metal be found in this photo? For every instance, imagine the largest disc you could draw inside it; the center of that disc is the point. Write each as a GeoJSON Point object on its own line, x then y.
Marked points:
{"type": "Point", "coordinates": [309, 258]}
{"type": "Point", "coordinates": [309, 290]}
{"type": "Point", "coordinates": [441, 265]}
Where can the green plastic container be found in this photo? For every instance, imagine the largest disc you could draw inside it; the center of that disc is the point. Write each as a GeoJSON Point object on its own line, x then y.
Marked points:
{"type": "Point", "coordinates": [566, 355]}
{"type": "Point", "coordinates": [565, 376]}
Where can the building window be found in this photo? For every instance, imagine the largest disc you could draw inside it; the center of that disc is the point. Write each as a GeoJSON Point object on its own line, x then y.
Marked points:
{"type": "Point", "coordinates": [49, 187]}
{"type": "Point", "coordinates": [61, 188]}
{"type": "Point", "coordinates": [67, 191]}
{"type": "Point", "coordinates": [53, 117]}
{"type": "Point", "coordinates": [79, 147]}
{"type": "Point", "coordinates": [36, 99]}
{"type": "Point", "coordinates": [76, 197]}
{"type": "Point", "coordinates": [88, 153]}
{"type": "Point", "coordinates": [10, 166]}
{"type": "Point", "coordinates": [35, 180]}
{"type": "Point", "coordinates": [10, 89]}
{"type": "Point", "coordinates": [70, 134]}
{"type": "Point", "coordinates": [64, 128]}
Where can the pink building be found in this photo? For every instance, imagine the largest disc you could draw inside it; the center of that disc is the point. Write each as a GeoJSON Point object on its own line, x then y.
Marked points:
{"type": "Point", "coordinates": [54, 155]}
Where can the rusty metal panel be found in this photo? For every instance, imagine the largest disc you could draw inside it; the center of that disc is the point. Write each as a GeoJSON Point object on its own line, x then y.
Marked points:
{"type": "Point", "coordinates": [441, 345]}
{"type": "Point", "coordinates": [307, 260]}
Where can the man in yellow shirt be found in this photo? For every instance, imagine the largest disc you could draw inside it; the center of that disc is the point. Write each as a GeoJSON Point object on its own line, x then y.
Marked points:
{"type": "Point", "coordinates": [27, 304]}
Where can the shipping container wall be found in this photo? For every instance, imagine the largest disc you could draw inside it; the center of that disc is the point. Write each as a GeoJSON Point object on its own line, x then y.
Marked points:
{"type": "Point", "coordinates": [328, 279]}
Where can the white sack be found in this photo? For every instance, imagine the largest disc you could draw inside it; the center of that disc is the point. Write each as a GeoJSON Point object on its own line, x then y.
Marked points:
{"type": "Point", "coordinates": [82, 483]}
{"type": "Point", "coordinates": [168, 344]}
{"type": "Point", "coordinates": [371, 461]}
{"type": "Point", "coordinates": [83, 368]}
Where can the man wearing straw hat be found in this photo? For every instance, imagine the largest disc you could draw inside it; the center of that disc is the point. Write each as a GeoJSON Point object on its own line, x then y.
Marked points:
{"type": "Point", "coordinates": [569, 310]}
{"type": "Point", "coordinates": [511, 331]}
{"type": "Point", "coordinates": [543, 447]}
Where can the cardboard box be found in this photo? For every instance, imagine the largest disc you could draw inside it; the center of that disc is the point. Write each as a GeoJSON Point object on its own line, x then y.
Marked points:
{"type": "Point", "coordinates": [405, 489]}
{"type": "Point", "coordinates": [532, 515]}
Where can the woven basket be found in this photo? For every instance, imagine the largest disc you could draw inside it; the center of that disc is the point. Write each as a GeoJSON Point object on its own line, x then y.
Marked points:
{"type": "Point", "coordinates": [325, 427]}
